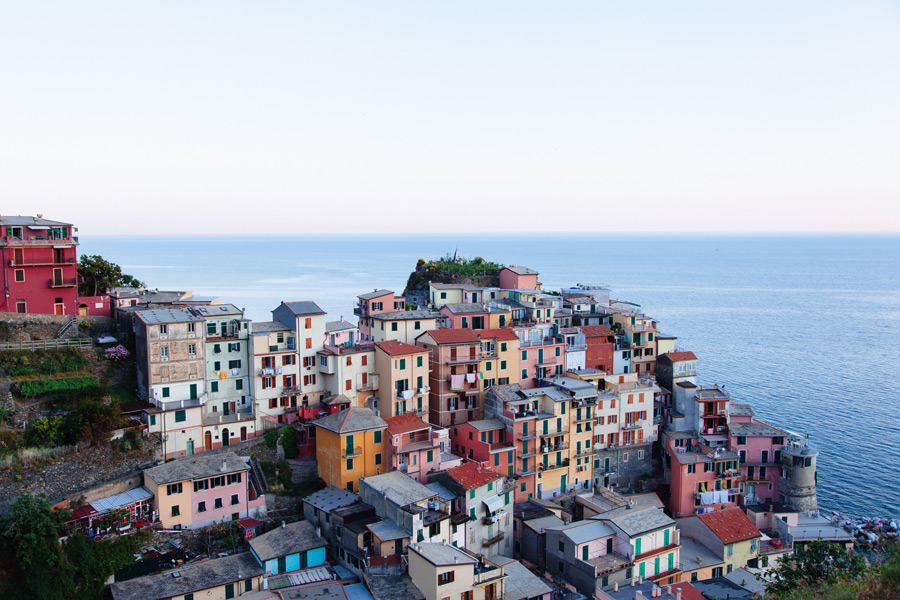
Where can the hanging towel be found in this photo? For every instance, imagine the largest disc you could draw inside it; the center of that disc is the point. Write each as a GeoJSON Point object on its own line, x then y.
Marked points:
{"type": "Point", "coordinates": [480, 375]}
{"type": "Point", "coordinates": [470, 377]}
{"type": "Point", "coordinates": [223, 374]}
{"type": "Point", "coordinates": [235, 372]}
{"type": "Point", "coordinates": [278, 370]}
{"type": "Point", "coordinates": [707, 498]}
{"type": "Point", "coordinates": [456, 381]}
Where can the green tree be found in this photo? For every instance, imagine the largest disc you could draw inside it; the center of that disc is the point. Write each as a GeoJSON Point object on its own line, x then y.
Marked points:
{"type": "Point", "coordinates": [821, 564]}
{"type": "Point", "coordinates": [100, 274]}
{"type": "Point", "coordinates": [32, 557]}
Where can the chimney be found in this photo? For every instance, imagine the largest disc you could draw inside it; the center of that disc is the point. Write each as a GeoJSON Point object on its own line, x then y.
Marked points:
{"type": "Point", "coordinates": [633, 581]}
{"type": "Point", "coordinates": [639, 596]}
{"type": "Point", "coordinates": [282, 524]}
{"type": "Point", "coordinates": [616, 586]}
{"type": "Point", "coordinates": [678, 594]}
{"type": "Point", "coordinates": [224, 465]}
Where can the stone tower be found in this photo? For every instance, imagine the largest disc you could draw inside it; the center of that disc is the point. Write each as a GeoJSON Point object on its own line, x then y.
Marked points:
{"type": "Point", "coordinates": [797, 487]}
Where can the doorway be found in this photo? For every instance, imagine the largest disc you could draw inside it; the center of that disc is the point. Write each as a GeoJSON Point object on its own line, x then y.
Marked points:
{"type": "Point", "coordinates": [225, 439]}
{"type": "Point", "coordinates": [208, 440]}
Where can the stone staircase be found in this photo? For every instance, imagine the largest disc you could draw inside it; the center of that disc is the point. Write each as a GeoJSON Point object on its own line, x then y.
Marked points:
{"type": "Point", "coordinates": [65, 328]}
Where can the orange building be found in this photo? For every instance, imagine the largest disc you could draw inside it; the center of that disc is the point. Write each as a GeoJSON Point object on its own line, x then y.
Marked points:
{"type": "Point", "coordinates": [350, 445]}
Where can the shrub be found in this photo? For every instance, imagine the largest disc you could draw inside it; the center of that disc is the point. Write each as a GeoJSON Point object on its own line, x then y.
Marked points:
{"type": "Point", "coordinates": [45, 432]}
{"type": "Point", "coordinates": [271, 438]}
{"type": "Point", "coordinates": [116, 353]}
{"type": "Point", "coordinates": [35, 388]}
{"type": "Point", "coordinates": [289, 442]}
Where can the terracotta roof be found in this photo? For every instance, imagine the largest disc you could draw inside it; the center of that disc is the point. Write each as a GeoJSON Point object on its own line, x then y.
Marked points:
{"type": "Point", "coordinates": [394, 348]}
{"type": "Point", "coordinates": [405, 423]}
{"type": "Point", "coordinates": [596, 330]}
{"type": "Point", "coordinates": [453, 336]}
{"type": "Point", "coordinates": [730, 525]}
{"type": "Point", "coordinates": [688, 592]}
{"type": "Point", "coordinates": [504, 333]}
{"type": "Point", "coordinates": [680, 356]}
{"type": "Point", "coordinates": [471, 476]}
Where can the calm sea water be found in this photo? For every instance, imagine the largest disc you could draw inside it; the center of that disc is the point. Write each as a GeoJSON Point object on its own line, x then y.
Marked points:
{"type": "Point", "coordinates": [806, 329]}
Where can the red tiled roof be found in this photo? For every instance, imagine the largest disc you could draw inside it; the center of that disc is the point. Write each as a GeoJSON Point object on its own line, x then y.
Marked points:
{"type": "Point", "coordinates": [471, 476]}
{"type": "Point", "coordinates": [248, 523]}
{"type": "Point", "coordinates": [596, 330]}
{"type": "Point", "coordinates": [730, 525]}
{"type": "Point", "coordinates": [453, 336]}
{"type": "Point", "coordinates": [688, 592]}
{"type": "Point", "coordinates": [504, 333]}
{"type": "Point", "coordinates": [394, 348]}
{"type": "Point", "coordinates": [680, 356]}
{"type": "Point", "coordinates": [405, 423]}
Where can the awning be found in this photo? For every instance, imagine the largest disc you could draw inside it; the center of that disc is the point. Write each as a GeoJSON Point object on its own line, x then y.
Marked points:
{"type": "Point", "coordinates": [494, 503]}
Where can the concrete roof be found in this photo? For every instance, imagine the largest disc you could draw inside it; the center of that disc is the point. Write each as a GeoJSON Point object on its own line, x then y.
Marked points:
{"type": "Point", "coordinates": [691, 551]}
{"type": "Point", "coordinates": [465, 308]}
{"type": "Point", "coordinates": [542, 524]}
{"type": "Point", "coordinates": [519, 270]}
{"type": "Point", "coordinates": [287, 539]}
{"type": "Point", "coordinates": [217, 310]}
{"type": "Point", "coordinates": [267, 326]}
{"type": "Point", "coordinates": [487, 424]}
{"type": "Point", "coordinates": [159, 316]}
{"type": "Point", "coordinates": [528, 510]}
{"type": "Point", "coordinates": [30, 221]}
{"type": "Point", "coordinates": [191, 578]}
{"type": "Point", "coordinates": [442, 492]}
{"type": "Point", "coordinates": [386, 530]}
{"type": "Point", "coordinates": [441, 555]}
{"type": "Point", "coordinates": [351, 420]}
{"type": "Point", "coordinates": [756, 428]}
{"type": "Point", "coordinates": [585, 531]}
{"type": "Point", "coordinates": [304, 307]}
{"type": "Point", "coordinates": [331, 498]}
{"type": "Point", "coordinates": [197, 467]}
{"type": "Point", "coordinates": [342, 325]}
{"type": "Point", "coordinates": [325, 590]}
{"type": "Point", "coordinates": [393, 587]}
{"type": "Point", "coordinates": [636, 521]}
{"type": "Point", "coordinates": [721, 588]}
{"type": "Point", "coordinates": [520, 582]}
{"type": "Point", "coordinates": [375, 294]}
{"type": "Point", "coordinates": [736, 409]}
{"type": "Point", "coordinates": [399, 488]}
{"type": "Point", "coordinates": [407, 315]}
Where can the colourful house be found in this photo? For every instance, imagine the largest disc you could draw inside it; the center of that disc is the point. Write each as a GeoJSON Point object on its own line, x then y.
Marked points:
{"type": "Point", "coordinates": [728, 533]}
{"type": "Point", "coordinates": [455, 389]}
{"type": "Point", "coordinates": [414, 446]}
{"type": "Point", "coordinates": [350, 445]}
{"type": "Point", "coordinates": [486, 441]}
{"type": "Point", "coordinates": [376, 302]}
{"type": "Point", "coordinates": [291, 547]}
{"type": "Point", "coordinates": [218, 579]}
{"type": "Point", "coordinates": [40, 266]}
{"type": "Point", "coordinates": [202, 490]}
{"type": "Point", "coordinates": [600, 342]}
{"type": "Point", "coordinates": [403, 371]}
{"type": "Point", "coordinates": [519, 278]}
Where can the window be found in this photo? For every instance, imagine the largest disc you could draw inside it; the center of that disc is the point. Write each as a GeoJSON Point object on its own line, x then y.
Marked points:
{"type": "Point", "coordinates": [173, 488]}
{"type": "Point", "coordinates": [695, 576]}
{"type": "Point", "coordinates": [691, 469]}
{"type": "Point", "coordinates": [152, 419]}
{"type": "Point", "coordinates": [502, 346]}
{"type": "Point", "coordinates": [238, 384]}
{"type": "Point", "coordinates": [524, 373]}
{"type": "Point", "coordinates": [234, 478]}
{"type": "Point", "coordinates": [201, 507]}
{"type": "Point", "coordinates": [180, 416]}
{"type": "Point", "coordinates": [742, 440]}
{"type": "Point", "coordinates": [402, 364]}
{"type": "Point", "coordinates": [445, 578]}
{"type": "Point", "coordinates": [471, 494]}
{"type": "Point", "coordinates": [562, 546]}
{"type": "Point", "coordinates": [192, 327]}
{"type": "Point", "coordinates": [524, 354]}
{"type": "Point", "coordinates": [248, 585]}
{"type": "Point", "coordinates": [502, 364]}
{"type": "Point", "coordinates": [213, 386]}
{"type": "Point", "coordinates": [235, 364]}
{"type": "Point", "coordinates": [176, 511]}
{"type": "Point", "coordinates": [378, 458]}
{"type": "Point", "coordinates": [443, 295]}
{"type": "Point", "coordinates": [349, 464]}
{"type": "Point", "coordinates": [730, 549]}
{"type": "Point", "coordinates": [20, 275]}
{"type": "Point", "coordinates": [218, 503]}
{"type": "Point", "coordinates": [164, 352]}
{"type": "Point", "coordinates": [308, 323]}
{"type": "Point", "coordinates": [163, 329]}
{"type": "Point", "coordinates": [308, 343]}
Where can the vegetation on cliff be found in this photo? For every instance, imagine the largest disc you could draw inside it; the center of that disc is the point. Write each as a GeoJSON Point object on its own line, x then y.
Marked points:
{"type": "Point", "coordinates": [450, 269]}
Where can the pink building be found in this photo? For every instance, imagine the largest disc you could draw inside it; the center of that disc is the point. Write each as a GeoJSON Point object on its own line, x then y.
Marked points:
{"type": "Point", "coordinates": [415, 447]}
{"type": "Point", "coordinates": [94, 306]}
{"type": "Point", "coordinates": [486, 441]}
{"type": "Point", "coordinates": [701, 479]}
{"type": "Point", "coordinates": [758, 446]}
{"type": "Point", "coordinates": [540, 356]}
{"type": "Point", "coordinates": [341, 333]}
{"type": "Point", "coordinates": [519, 278]}
{"type": "Point", "coordinates": [467, 316]}
{"type": "Point", "coordinates": [376, 302]}
{"type": "Point", "coordinates": [455, 389]}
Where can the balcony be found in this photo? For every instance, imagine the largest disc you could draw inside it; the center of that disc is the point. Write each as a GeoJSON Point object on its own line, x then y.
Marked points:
{"type": "Point", "coordinates": [41, 262]}
{"type": "Point", "coordinates": [289, 390]}
{"type": "Point", "coordinates": [370, 384]}
{"type": "Point", "coordinates": [61, 282]}
{"type": "Point", "coordinates": [490, 542]}
{"type": "Point", "coordinates": [217, 418]}
{"type": "Point", "coordinates": [527, 436]}
{"type": "Point", "coordinates": [558, 447]}
{"type": "Point", "coordinates": [491, 573]}
{"type": "Point", "coordinates": [563, 464]}
{"type": "Point", "coordinates": [351, 452]}
{"type": "Point", "coordinates": [16, 241]}
{"type": "Point", "coordinates": [561, 431]}
{"type": "Point", "coordinates": [632, 425]}
{"type": "Point", "coordinates": [433, 516]}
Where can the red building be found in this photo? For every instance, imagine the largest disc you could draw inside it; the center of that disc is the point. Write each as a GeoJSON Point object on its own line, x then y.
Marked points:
{"type": "Point", "coordinates": [40, 266]}
{"type": "Point", "coordinates": [600, 341]}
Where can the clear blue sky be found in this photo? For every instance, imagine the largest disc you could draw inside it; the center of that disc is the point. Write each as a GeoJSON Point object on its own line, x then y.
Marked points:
{"type": "Point", "coordinates": [382, 117]}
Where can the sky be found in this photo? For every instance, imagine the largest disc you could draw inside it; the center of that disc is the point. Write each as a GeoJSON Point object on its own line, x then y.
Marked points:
{"type": "Point", "coordinates": [222, 117]}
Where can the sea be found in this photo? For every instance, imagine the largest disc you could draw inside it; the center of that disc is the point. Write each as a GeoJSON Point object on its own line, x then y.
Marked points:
{"type": "Point", "coordinates": [804, 328]}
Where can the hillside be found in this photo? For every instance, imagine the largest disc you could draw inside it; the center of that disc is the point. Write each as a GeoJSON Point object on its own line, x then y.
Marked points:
{"type": "Point", "coordinates": [449, 269]}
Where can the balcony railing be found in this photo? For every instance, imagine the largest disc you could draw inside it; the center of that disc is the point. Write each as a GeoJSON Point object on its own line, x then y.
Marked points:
{"type": "Point", "coordinates": [490, 542]}
{"type": "Point", "coordinates": [58, 282]}
{"type": "Point", "coordinates": [551, 466]}
{"type": "Point", "coordinates": [40, 262]}
{"type": "Point", "coordinates": [632, 425]}
{"type": "Point", "coordinates": [555, 447]}
{"type": "Point", "coordinates": [351, 452]}
{"type": "Point", "coordinates": [489, 574]}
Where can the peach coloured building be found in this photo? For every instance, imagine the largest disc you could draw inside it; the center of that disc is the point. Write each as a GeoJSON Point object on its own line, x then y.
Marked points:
{"type": "Point", "coordinates": [403, 371]}
{"type": "Point", "coordinates": [418, 448]}
{"type": "Point", "coordinates": [519, 278]}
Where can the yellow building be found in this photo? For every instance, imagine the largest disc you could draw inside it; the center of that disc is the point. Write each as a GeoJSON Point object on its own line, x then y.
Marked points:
{"type": "Point", "coordinates": [728, 533]}
{"type": "Point", "coordinates": [350, 444]}
{"type": "Point", "coordinates": [403, 375]}
{"type": "Point", "coordinates": [499, 356]}
{"type": "Point", "coordinates": [565, 449]}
